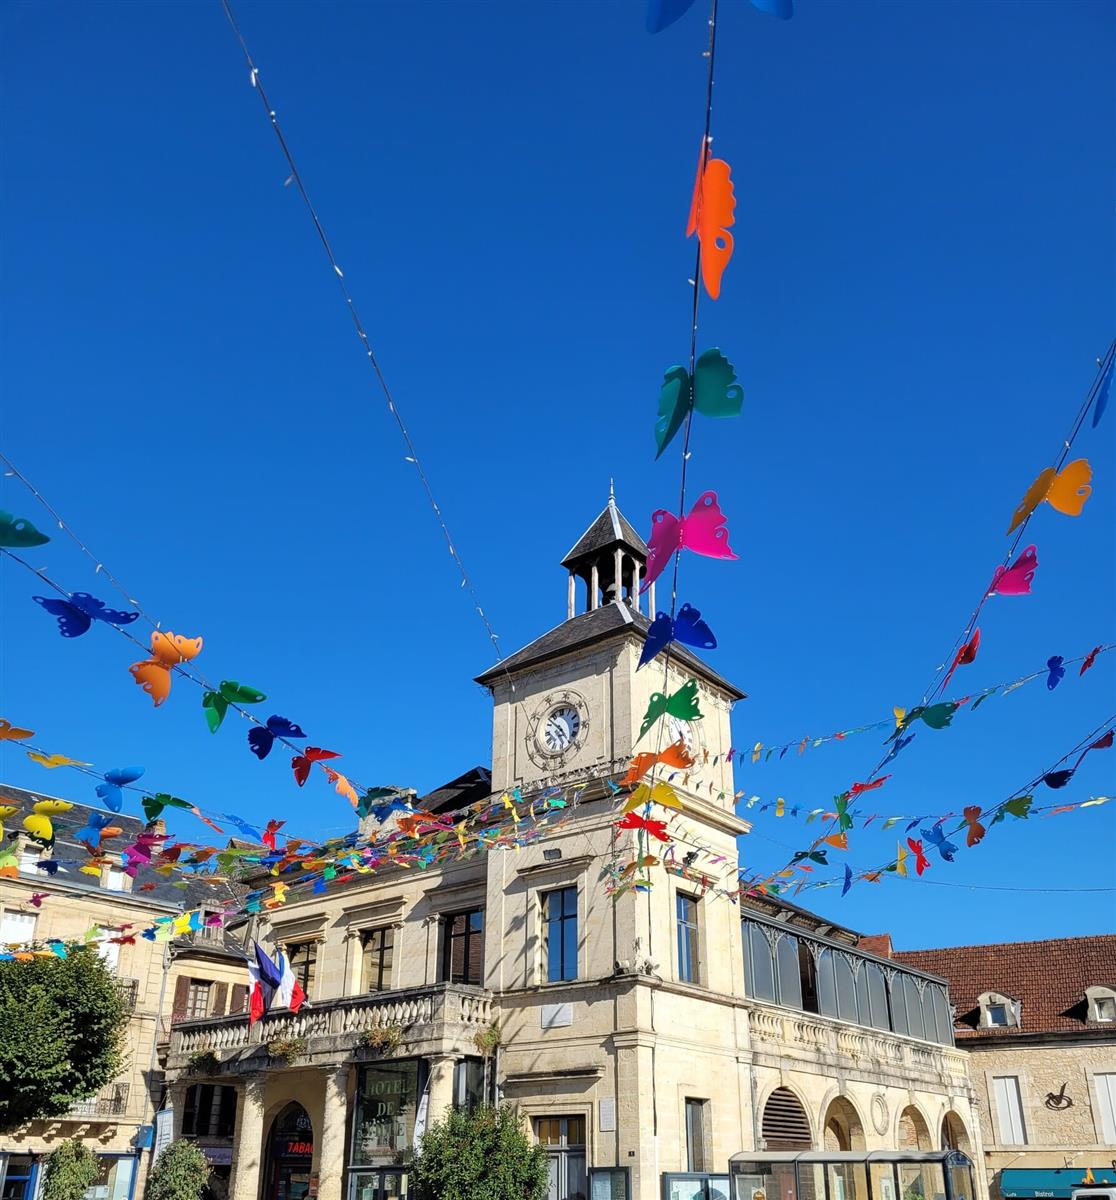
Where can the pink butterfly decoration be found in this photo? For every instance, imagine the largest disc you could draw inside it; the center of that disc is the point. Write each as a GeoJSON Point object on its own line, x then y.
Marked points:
{"type": "Point", "coordinates": [703, 532]}
{"type": "Point", "coordinates": [1016, 579]}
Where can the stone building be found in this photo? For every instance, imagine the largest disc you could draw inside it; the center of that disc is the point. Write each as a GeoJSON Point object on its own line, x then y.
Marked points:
{"type": "Point", "coordinates": [646, 1038]}
{"type": "Point", "coordinates": [1039, 1021]}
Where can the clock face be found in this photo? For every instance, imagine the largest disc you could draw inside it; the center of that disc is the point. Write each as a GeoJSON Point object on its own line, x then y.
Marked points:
{"type": "Point", "coordinates": [680, 731]}
{"type": "Point", "coordinates": [560, 728]}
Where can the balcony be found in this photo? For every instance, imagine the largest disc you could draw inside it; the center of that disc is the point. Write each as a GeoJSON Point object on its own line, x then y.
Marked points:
{"type": "Point", "coordinates": [128, 991]}
{"type": "Point", "coordinates": [441, 1019]}
{"type": "Point", "coordinates": [112, 1102]}
{"type": "Point", "coordinates": [814, 1036]}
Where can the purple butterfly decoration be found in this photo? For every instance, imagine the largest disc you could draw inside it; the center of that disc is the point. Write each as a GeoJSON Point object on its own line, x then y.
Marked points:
{"type": "Point", "coordinates": [76, 615]}
{"type": "Point", "coordinates": [687, 628]}
{"type": "Point", "coordinates": [262, 737]}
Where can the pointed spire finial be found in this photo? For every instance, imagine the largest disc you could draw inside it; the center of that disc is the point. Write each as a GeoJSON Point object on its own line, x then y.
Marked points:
{"type": "Point", "coordinates": [611, 490]}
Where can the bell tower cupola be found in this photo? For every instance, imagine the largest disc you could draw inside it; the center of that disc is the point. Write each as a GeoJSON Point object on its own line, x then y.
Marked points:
{"type": "Point", "coordinates": [610, 559]}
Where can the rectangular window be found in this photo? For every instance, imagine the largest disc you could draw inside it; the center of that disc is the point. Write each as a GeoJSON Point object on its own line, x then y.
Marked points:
{"type": "Point", "coordinates": [303, 957]}
{"type": "Point", "coordinates": [695, 1135]}
{"type": "Point", "coordinates": [997, 1014]}
{"type": "Point", "coordinates": [209, 1111]}
{"type": "Point", "coordinates": [560, 909]}
{"type": "Point", "coordinates": [686, 911]}
{"type": "Point", "coordinates": [1104, 1009]}
{"type": "Point", "coordinates": [378, 951]}
{"type": "Point", "coordinates": [384, 1110]}
{"type": "Point", "coordinates": [1106, 1101]}
{"type": "Point", "coordinates": [469, 1084]}
{"type": "Point", "coordinates": [197, 998]}
{"type": "Point", "coordinates": [463, 947]}
{"type": "Point", "coordinates": [1009, 1110]}
{"type": "Point", "coordinates": [17, 928]}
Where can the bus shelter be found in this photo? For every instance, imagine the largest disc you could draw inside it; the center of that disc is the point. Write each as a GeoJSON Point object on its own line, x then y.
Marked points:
{"type": "Point", "coordinates": [851, 1175]}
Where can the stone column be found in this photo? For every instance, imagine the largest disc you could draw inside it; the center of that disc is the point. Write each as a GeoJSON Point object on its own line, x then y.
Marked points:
{"type": "Point", "coordinates": [331, 1158]}
{"type": "Point", "coordinates": [441, 1087]}
{"type": "Point", "coordinates": [248, 1147]}
{"type": "Point", "coordinates": [594, 586]}
{"type": "Point", "coordinates": [571, 596]}
{"type": "Point", "coordinates": [177, 1093]}
{"type": "Point", "coordinates": [651, 602]}
{"type": "Point", "coordinates": [618, 572]}
{"type": "Point", "coordinates": [635, 583]}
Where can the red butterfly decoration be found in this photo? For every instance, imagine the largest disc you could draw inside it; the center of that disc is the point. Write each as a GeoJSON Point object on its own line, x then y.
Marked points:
{"type": "Point", "coordinates": [273, 826]}
{"type": "Point", "coordinates": [966, 655]}
{"type": "Point", "coordinates": [858, 789]}
{"type": "Point", "coordinates": [921, 861]}
{"type": "Point", "coordinates": [1090, 658]}
{"type": "Point", "coordinates": [657, 829]}
{"type": "Point", "coordinates": [976, 829]}
{"type": "Point", "coordinates": [301, 763]}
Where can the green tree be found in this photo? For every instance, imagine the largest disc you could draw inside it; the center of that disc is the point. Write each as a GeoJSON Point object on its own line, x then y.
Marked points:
{"type": "Point", "coordinates": [179, 1173]}
{"type": "Point", "coordinates": [62, 1025]}
{"type": "Point", "coordinates": [482, 1155]}
{"type": "Point", "coordinates": [71, 1171]}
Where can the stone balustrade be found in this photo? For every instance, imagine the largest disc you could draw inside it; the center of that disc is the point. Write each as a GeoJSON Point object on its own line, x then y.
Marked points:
{"type": "Point", "coordinates": [427, 1018]}
{"type": "Point", "coordinates": [815, 1035]}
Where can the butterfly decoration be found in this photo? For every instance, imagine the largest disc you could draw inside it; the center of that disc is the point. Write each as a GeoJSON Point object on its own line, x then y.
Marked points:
{"type": "Point", "coordinates": [1065, 491]}
{"type": "Point", "coordinates": [682, 704]}
{"type": "Point", "coordinates": [270, 830]}
{"type": "Point", "coordinates": [975, 830]}
{"type": "Point", "coordinates": [703, 532]}
{"type": "Point", "coordinates": [839, 841]}
{"type": "Point", "coordinates": [114, 781]}
{"type": "Point", "coordinates": [37, 898]}
{"type": "Point", "coordinates": [168, 650]}
{"type": "Point", "coordinates": [38, 823]}
{"type": "Point", "coordinates": [844, 818]}
{"type": "Point", "coordinates": [964, 657]}
{"type": "Point", "coordinates": [6, 811]}
{"type": "Point", "coordinates": [900, 744]}
{"type": "Point", "coordinates": [1016, 579]}
{"type": "Point", "coordinates": [937, 716]}
{"type": "Point", "coordinates": [18, 533]}
{"type": "Point", "coordinates": [97, 827]}
{"type": "Point", "coordinates": [302, 763]}
{"type": "Point", "coordinates": [1059, 779]}
{"type": "Point", "coordinates": [661, 13]}
{"type": "Point", "coordinates": [687, 628]}
{"type": "Point", "coordinates": [1101, 401]}
{"type": "Point", "coordinates": [249, 831]}
{"type": "Point", "coordinates": [154, 805]}
{"type": "Point", "coordinates": [648, 825]}
{"type": "Point", "coordinates": [342, 786]}
{"type": "Point", "coordinates": [848, 880]}
{"type": "Point", "coordinates": [262, 737]}
{"type": "Point", "coordinates": [77, 614]}
{"type": "Point", "coordinates": [814, 856]}
{"type": "Point", "coordinates": [1090, 658]}
{"type": "Point", "coordinates": [11, 733]}
{"type": "Point", "coordinates": [712, 390]}
{"type": "Point", "coordinates": [921, 861]}
{"type": "Point", "coordinates": [1017, 806]}
{"type": "Point", "coordinates": [858, 789]}
{"type": "Point", "coordinates": [216, 704]}
{"type": "Point", "coordinates": [50, 761]}
{"type": "Point", "coordinates": [675, 755]}
{"type": "Point", "coordinates": [655, 793]}
{"type": "Point", "coordinates": [937, 838]}
{"type": "Point", "coordinates": [712, 215]}
{"type": "Point", "coordinates": [1056, 672]}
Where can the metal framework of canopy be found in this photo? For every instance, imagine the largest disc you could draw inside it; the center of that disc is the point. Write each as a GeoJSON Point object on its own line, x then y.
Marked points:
{"type": "Point", "coordinates": [851, 1175]}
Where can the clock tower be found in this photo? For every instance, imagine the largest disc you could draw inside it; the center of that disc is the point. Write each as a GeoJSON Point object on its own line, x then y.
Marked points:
{"type": "Point", "coordinates": [569, 706]}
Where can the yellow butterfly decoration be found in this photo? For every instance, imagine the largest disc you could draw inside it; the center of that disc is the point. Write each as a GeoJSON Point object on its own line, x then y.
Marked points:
{"type": "Point", "coordinates": [1065, 491]}
{"type": "Point", "coordinates": [658, 793]}
{"type": "Point", "coordinates": [51, 808]}
{"type": "Point", "coordinates": [6, 811]}
{"type": "Point", "coordinates": [50, 761]}
{"type": "Point", "coordinates": [900, 715]}
{"type": "Point", "coordinates": [901, 859]}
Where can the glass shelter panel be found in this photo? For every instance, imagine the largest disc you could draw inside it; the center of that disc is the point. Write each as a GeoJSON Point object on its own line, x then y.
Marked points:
{"type": "Point", "coordinates": [848, 1181]}
{"type": "Point", "coordinates": [764, 1181]}
{"type": "Point", "coordinates": [883, 1181]}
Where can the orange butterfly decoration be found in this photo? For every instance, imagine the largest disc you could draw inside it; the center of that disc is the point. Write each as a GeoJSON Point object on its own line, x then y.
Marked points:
{"type": "Point", "coordinates": [673, 756]}
{"type": "Point", "coordinates": [344, 787]}
{"type": "Point", "coordinates": [839, 841]}
{"type": "Point", "coordinates": [167, 651]}
{"type": "Point", "coordinates": [976, 829]}
{"type": "Point", "coordinates": [712, 213]}
{"type": "Point", "coordinates": [10, 733]}
{"type": "Point", "coordinates": [1065, 491]}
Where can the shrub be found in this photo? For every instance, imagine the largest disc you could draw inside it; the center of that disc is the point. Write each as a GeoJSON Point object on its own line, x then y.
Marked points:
{"type": "Point", "coordinates": [480, 1155]}
{"type": "Point", "coordinates": [287, 1049]}
{"type": "Point", "coordinates": [385, 1038]}
{"type": "Point", "coordinates": [179, 1173]}
{"type": "Point", "coordinates": [71, 1171]}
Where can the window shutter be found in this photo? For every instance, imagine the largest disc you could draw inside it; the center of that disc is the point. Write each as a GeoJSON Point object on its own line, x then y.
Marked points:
{"type": "Point", "coordinates": [1106, 1095]}
{"type": "Point", "coordinates": [1009, 1109]}
{"type": "Point", "coordinates": [218, 1007]}
{"type": "Point", "coordinates": [181, 991]}
{"type": "Point", "coordinates": [238, 1000]}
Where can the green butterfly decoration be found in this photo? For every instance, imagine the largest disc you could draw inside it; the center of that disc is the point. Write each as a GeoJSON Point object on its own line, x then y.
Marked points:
{"type": "Point", "coordinates": [715, 393]}
{"type": "Point", "coordinates": [1020, 807]}
{"type": "Point", "coordinates": [154, 805]}
{"type": "Point", "coordinates": [938, 716]}
{"type": "Point", "coordinates": [844, 821]}
{"type": "Point", "coordinates": [19, 532]}
{"type": "Point", "coordinates": [216, 704]}
{"type": "Point", "coordinates": [682, 704]}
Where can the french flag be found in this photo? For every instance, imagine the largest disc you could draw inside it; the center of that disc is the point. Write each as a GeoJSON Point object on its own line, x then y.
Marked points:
{"type": "Point", "coordinates": [266, 978]}
{"type": "Point", "coordinates": [289, 993]}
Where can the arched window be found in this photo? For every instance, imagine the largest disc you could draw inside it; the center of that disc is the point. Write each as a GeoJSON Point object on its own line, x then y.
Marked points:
{"type": "Point", "coordinates": [877, 994]}
{"type": "Point", "coordinates": [827, 986]}
{"type": "Point", "coordinates": [763, 970]}
{"type": "Point", "coordinates": [790, 979]}
{"type": "Point", "coordinates": [785, 1124]}
{"type": "Point", "coordinates": [898, 1000]}
{"type": "Point", "coordinates": [846, 986]}
{"type": "Point", "coordinates": [915, 1026]}
{"type": "Point", "coordinates": [943, 1020]}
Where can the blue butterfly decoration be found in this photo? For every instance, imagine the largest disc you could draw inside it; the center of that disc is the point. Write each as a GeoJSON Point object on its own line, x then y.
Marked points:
{"type": "Point", "coordinates": [90, 832]}
{"type": "Point", "coordinates": [901, 744]}
{"type": "Point", "coordinates": [687, 628]}
{"type": "Point", "coordinates": [661, 13]}
{"type": "Point", "coordinates": [244, 827]}
{"type": "Point", "coordinates": [1056, 672]}
{"type": "Point", "coordinates": [848, 880]}
{"type": "Point", "coordinates": [938, 839]}
{"type": "Point", "coordinates": [76, 615]}
{"type": "Point", "coordinates": [262, 737]}
{"type": "Point", "coordinates": [110, 791]}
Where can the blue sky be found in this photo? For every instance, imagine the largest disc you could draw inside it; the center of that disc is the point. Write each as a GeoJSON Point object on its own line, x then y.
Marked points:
{"type": "Point", "coordinates": [923, 279]}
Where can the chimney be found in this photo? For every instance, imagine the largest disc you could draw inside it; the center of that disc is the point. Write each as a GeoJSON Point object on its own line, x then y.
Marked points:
{"type": "Point", "coordinates": [877, 943]}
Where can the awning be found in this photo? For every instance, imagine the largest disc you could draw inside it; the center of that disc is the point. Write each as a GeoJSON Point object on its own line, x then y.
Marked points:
{"type": "Point", "coordinates": [1056, 1182]}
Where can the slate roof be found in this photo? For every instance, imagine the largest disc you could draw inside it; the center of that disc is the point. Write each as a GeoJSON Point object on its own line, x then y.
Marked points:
{"type": "Point", "coordinates": [466, 789]}
{"type": "Point", "coordinates": [611, 528]}
{"type": "Point", "coordinates": [611, 620]}
{"type": "Point", "coordinates": [1049, 977]}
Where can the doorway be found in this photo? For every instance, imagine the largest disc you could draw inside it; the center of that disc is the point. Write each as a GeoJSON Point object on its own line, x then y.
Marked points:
{"type": "Point", "coordinates": [290, 1150]}
{"type": "Point", "coordinates": [378, 1183]}
{"type": "Point", "coordinates": [564, 1141]}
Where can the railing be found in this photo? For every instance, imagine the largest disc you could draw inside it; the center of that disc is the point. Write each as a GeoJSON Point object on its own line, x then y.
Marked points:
{"type": "Point", "coordinates": [113, 1102]}
{"type": "Point", "coordinates": [443, 1004]}
{"type": "Point", "coordinates": [816, 1034]}
{"type": "Point", "coordinates": [128, 991]}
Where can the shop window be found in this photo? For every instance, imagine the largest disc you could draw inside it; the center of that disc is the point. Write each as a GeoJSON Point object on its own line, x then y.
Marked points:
{"type": "Point", "coordinates": [686, 913]}
{"type": "Point", "coordinates": [696, 1134]}
{"type": "Point", "coordinates": [377, 949]}
{"type": "Point", "coordinates": [384, 1111]}
{"type": "Point", "coordinates": [197, 998]}
{"type": "Point", "coordinates": [463, 947]}
{"type": "Point", "coordinates": [303, 957]}
{"type": "Point", "coordinates": [560, 912]}
{"type": "Point", "coordinates": [209, 1111]}
{"type": "Point", "coordinates": [470, 1083]}
{"type": "Point", "coordinates": [114, 1179]}
{"type": "Point", "coordinates": [789, 971]}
